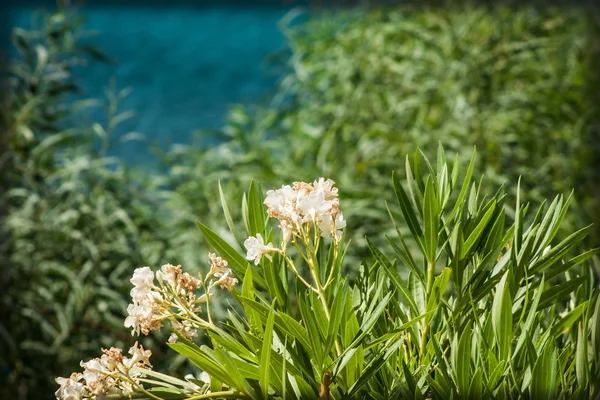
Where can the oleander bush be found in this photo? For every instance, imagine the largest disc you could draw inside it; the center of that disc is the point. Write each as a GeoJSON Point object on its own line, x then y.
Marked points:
{"type": "Point", "coordinates": [362, 89]}
{"type": "Point", "coordinates": [485, 309]}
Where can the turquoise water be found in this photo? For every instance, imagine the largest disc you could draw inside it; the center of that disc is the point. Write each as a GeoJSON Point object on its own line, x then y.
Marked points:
{"type": "Point", "coordinates": [184, 65]}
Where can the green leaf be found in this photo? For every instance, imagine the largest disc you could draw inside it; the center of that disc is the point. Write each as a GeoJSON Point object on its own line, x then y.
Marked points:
{"type": "Point", "coordinates": [544, 380]}
{"type": "Point", "coordinates": [248, 291]}
{"type": "Point", "coordinates": [568, 321]}
{"type": "Point", "coordinates": [337, 313]}
{"type": "Point", "coordinates": [560, 291]}
{"type": "Point", "coordinates": [265, 354]}
{"type": "Point", "coordinates": [404, 251]}
{"type": "Point", "coordinates": [368, 323]}
{"type": "Point", "coordinates": [408, 212]}
{"type": "Point", "coordinates": [466, 248]}
{"type": "Point", "coordinates": [207, 364]}
{"type": "Point", "coordinates": [375, 365]}
{"type": "Point", "coordinates": [502, 318]}
{"type": "Point", "coordinates": [314, 335]}
{"type": "Point", "coordinates": [459, 205]}
{"type": "Point", "coordinates": [430, 221]}
{"type": "Point", "coordinates": [557, 252]}
{"type": "Point", "coordinates": [526, 330]}
{"type": "Point", "coordinates": [256, 210]}
{"type": "Point", "coordinates": [582, 366]}
{"type": "Point", "coordinates": [395, 278]}
{"type": "Point", "coordinates": [227, 214]}
{"type": "Point", "coordinates": [462, 365]}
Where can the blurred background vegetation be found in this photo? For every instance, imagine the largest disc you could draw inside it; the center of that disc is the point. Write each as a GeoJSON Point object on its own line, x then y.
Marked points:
{"type": "Point", "coordinates": [363, 88]}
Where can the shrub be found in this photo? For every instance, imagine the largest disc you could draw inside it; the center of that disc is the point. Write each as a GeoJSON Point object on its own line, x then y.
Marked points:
{"type": "Point", "coordinates": [483, 311]}
{"type": "Point", "coordinates": [76, 222]}
{"type": "Point", "coordinates": [362, 89]}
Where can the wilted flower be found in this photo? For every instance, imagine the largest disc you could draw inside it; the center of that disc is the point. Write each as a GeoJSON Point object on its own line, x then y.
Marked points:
{"type": "Point", "coordinates": [109, 374]}
{"type": "Point", "coordinates": [256, 248]}
{"type": "Point", "coordinates": [178, 280]}
{"type": "Point", "coordinates": [184, 328]}
{"type": "Point", "coordinates": [139, 356]}
{"type": "Point", "coordinates": [218, 266]}
{"type": "Point", "coordinates": [226, 282]}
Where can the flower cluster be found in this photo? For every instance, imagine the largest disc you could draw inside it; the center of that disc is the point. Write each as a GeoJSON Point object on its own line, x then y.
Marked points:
{"type": "Point", "coordinates": [298, 208]}
{"type": "Point", "coordinates": [112, 373]}
{"type": "Point", "coordinates": [304, 203]}
{"type": "Point", "coordinates": [147, 309]}
{"type": "Point", "coordinates": [174, 297]}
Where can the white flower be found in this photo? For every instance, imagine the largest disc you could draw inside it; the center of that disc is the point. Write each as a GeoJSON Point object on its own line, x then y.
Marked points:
{"type": "Point", "coordinates": [70, 388]}
{"type": "Point", "coordinates": [144, 314]}
{"type": "Point", "coordinates": [286, 230]}
{"type": "Point", "coordinates": [299, 204]}
{"type": "Point", "coordinates": [277, 200]}
{"type": "Point", "coordinates": [204, 377]}
{"type": "Point", "coordinates": [256, 248]}
{"type": "Point", "coordinates": [168, 274]}
{"type": "Point", "coordinates": [143, 282]}
{"type": "Point", "coordinates": [328, 225]}
{"type": "Point", "coordinates": [93, 370]}
{"type": "Point", "coordinates": [326, 187]}
{"type": "Point", "coordinates": [314, 206]}
{"type": "Point", "coordinates": [281, 204]}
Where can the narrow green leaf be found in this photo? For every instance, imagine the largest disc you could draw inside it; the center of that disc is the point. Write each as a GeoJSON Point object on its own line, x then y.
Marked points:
{"type": "Point", "coordinates": [459, 205]}
{"type": "Point", "coordinates": [462, 366]}
{"type": "Point", "coordinates": [254, 319]}
{"type": "Point", "coordinates": [265, 354]}
{"type": "Point", "coordinates": [430, 221]}
{"type": "Point", "coordinates": [466, 248]}
{"type": "Point", "coordinates": [582, 366]}
{"type": "Point", "coordinates": [256, 210]}
{"type": "Point", "coordinates": [557, 252]}
{"type": "Point", "coordinates": [502, 318]}
{"type": "Point", "coordinates": [337, 313]}
{"type": "Point", "coordinates": [408, 212]}
{"type": "Point", "coordinates": [544, 380]}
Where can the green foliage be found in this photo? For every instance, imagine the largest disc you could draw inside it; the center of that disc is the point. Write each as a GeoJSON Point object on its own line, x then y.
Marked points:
{"type": "Point", "coordinates": [75, 223]}
{"type": "Point", "coordinates": [365, 87]}
{"type": "Point", "coordinates": [509, 309]}
{"type": "Point", "coordinates": [483, 309]}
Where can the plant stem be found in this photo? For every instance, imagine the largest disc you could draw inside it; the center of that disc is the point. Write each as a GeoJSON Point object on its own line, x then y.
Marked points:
{"type": "Point", "coordinates": [207, 293]}
{"type": "Point", "coordinates": [226, 394]}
